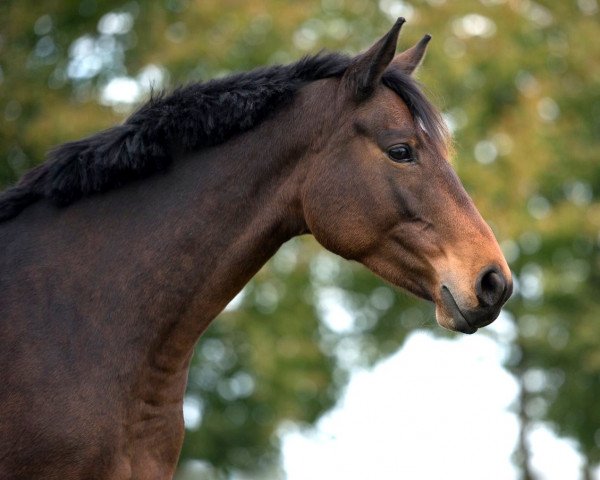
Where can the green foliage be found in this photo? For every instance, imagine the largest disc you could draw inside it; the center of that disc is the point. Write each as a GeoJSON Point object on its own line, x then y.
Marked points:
{"type": "Point", "coordinates": [520, 82]}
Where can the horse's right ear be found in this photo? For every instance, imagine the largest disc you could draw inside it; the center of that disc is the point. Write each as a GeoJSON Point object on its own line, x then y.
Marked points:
{"type": "Point", "coordinates": [365, 71]}
{"type": "Point", "coordinates": [410, 59]}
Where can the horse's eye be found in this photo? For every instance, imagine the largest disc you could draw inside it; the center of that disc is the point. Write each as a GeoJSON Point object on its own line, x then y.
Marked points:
{"type": "Point", "coordinates": [401, 154]}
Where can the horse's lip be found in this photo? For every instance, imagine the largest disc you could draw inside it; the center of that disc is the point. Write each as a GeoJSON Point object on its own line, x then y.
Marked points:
{"type": "Point", "coordinates": [460, 322]}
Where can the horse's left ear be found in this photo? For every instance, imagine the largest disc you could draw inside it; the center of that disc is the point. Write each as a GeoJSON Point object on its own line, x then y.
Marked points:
{"type": "Point", "coordinates": [410, 59]}
{"type": "Point", "coordinates": [365, 71]}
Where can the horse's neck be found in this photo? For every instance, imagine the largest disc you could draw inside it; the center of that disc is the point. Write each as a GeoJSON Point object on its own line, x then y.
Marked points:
{"type": "Point", "coordinates": [143, 269]}
{"type": "Point", "coordinates": [128, 280]}
{"type": "Point", "coordinates": [230, 210]}
{"type": "Point", "coordinates": [118, 287]}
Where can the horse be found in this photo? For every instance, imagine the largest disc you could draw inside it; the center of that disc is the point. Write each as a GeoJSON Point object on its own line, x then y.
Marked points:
{"type": "Point", "coordinates": [118, 251]}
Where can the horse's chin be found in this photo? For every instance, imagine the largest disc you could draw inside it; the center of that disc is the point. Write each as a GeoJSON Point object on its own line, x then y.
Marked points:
{"type": "Point", "coordinates": [455, 324]}
{"type": "Point", "coordinates": [449, 315]}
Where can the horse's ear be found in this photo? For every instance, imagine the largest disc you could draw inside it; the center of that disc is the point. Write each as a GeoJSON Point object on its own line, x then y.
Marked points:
{"type": "Point", "coordinates": [410, 59]}
{"type": "Point", "coordinates": [365, 71]}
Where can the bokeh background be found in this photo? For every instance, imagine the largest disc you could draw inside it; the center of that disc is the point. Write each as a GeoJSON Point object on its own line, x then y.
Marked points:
{"type": "Point", "coordinates": [519, 84]}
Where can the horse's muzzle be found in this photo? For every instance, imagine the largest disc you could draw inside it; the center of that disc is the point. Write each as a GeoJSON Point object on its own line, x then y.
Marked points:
{"type": "Point", "coordinates": [492, 290]}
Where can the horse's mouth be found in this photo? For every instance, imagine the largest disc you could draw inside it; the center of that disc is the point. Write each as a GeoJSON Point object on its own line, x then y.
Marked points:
{"type": "Point", "coordinates": [459, 322]}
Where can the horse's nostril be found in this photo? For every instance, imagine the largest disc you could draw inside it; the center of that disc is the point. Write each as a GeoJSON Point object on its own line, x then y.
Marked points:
{"type": "Point", "coordinates": [491, 287]}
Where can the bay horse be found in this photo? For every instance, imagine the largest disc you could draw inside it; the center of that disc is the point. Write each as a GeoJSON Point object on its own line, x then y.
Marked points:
{"type": "Point", "coordinates": [119, 250]}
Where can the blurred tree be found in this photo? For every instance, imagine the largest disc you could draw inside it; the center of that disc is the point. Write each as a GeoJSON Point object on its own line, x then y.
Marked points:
{"type": "Point", "coordinates": [521, 87]}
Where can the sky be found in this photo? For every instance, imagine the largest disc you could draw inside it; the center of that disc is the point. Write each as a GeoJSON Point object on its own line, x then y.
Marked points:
{"type": "Point", "coordinates": [438, 408]}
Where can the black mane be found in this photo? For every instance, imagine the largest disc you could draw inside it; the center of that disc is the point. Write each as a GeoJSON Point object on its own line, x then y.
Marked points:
{"type": "Point", "coordinates": [192, 117]}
